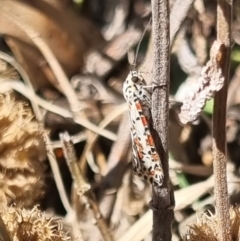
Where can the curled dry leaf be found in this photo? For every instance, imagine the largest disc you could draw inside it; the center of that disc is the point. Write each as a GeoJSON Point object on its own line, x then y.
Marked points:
{"type": "Point", "coordinates": [210, 81]}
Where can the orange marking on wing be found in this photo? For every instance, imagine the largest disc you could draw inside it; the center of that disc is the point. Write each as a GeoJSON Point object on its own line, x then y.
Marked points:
{"type": "Point", "coordinates": [152, 173]}
{"type": "Point", "coordinates": [139, 147]}
{"type": "Point", "coordinates": [155, 157]}
{"type": "Point", "coordinates": [150, 140]}
{"type": "Point", "coordinates": [144, 121]}
{"type": "Point", "coordinates": [140, 155]}
{"type": "Point", "coordinates": [138, 106]}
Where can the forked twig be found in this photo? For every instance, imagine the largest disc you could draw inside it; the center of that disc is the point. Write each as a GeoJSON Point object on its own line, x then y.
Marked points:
{"type": "Point", "coordinates": [82, 186]}
{"type": "Point", "coordinates": [60, 186]}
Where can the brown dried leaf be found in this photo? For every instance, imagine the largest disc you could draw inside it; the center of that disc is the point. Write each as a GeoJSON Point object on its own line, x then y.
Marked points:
{"type": "Point", "coordinates": [210, 81]}
{"type": "Point", "coordinates": [68, 35]}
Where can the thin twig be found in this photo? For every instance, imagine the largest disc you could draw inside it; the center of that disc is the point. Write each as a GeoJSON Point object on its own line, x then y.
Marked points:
{"type": "Point", "coordinates": [193, 169]}
{"type": "Point", "coordinates": [76, 232]}
{"type": "Point", "coordinates": [71, 158]}
{"type": "Point", "coordinates": [77, 138]}
{"type": "Point", "coordinates": [163, 200]}
{"type": "Point", "coordinates": [82, 186]}
{"type": "Point", "coordinates": [224, 19]}
{"type": "Point", "coordinates": [57, 175]}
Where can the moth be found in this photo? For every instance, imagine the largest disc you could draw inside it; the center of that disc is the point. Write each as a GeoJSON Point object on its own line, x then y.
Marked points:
{"type": "Point", "coordinates": [146, 161]}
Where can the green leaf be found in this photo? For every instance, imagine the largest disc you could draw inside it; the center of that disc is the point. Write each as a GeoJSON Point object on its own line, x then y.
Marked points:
{"type": "Point", "coordinates": [208, 108]}
{"type": "Point", "coordinates": [235, 55]}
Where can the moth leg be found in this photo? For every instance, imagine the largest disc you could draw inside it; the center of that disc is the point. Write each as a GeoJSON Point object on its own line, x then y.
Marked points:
{"type": "Point", "coordinates": [144, 96]}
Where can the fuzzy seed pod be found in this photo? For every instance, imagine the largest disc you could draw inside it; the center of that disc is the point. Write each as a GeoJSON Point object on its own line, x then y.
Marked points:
{"type": "Point", "coordinates": [22, 151]}
{"type": "Point", "coordinates": [31, 225]}
{"type": "Point", "coordinates": [206, 229]}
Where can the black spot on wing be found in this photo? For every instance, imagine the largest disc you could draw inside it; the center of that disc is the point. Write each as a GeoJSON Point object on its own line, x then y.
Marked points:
{"type": "Point", "coordinates": [153, 149]}
{"type": "Point", "coordinates": [151, 180]}
{"type": "Point", "coordinates": [150, 169]}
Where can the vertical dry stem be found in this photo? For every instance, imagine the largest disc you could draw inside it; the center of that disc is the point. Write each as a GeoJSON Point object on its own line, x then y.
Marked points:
{"type": "Point", "coordinates": [163, 196]}
{"type": "Point", "coordinates": [224, 18]}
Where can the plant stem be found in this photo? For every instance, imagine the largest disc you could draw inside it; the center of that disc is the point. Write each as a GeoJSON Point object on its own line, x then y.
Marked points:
{"type": "Point", "coordinates": [224, 18]}
{"type": "Point", "coordinates": [163, 201]}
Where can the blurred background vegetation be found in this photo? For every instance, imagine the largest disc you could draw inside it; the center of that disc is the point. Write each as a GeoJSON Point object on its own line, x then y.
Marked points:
{"type": "Point", "coordinates": [62, 66]}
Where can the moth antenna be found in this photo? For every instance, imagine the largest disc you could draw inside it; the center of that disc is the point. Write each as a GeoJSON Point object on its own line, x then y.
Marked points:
{"type": "Point", "coordinates": [140, 41]}
{"type": "Point", "coordinates": [131, 68]}
{"type": "Point", "coordinates": [130, 56]}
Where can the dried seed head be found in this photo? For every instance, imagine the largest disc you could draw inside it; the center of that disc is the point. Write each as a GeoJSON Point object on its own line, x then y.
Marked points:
{"type": "Point", "coordinates": [32, 225]}
{"type": "Point", "coordinates": [22, 151]}
{"type": "Point", "coordinates": [206, 229]}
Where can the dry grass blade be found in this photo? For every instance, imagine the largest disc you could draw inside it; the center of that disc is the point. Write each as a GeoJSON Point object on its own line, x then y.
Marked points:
{"type": "Point", "coordinates": [108, 119]}
{"type": "Point", "coordinates": [188, 195]}
{"type": "Point", "coordinates": [30, 94]}
{"type": "Point", "coordinates": [57, 175]}
{"type": "Point", "coordinates": [139, 230]}
{"type": "Point", "coordinates": [184, 198]}
{"type": "Point", "coordinates": [25, 91]}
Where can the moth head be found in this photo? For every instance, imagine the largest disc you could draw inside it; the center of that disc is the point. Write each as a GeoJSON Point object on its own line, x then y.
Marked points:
{"type": "Point", "coordinates": [136, 77]}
